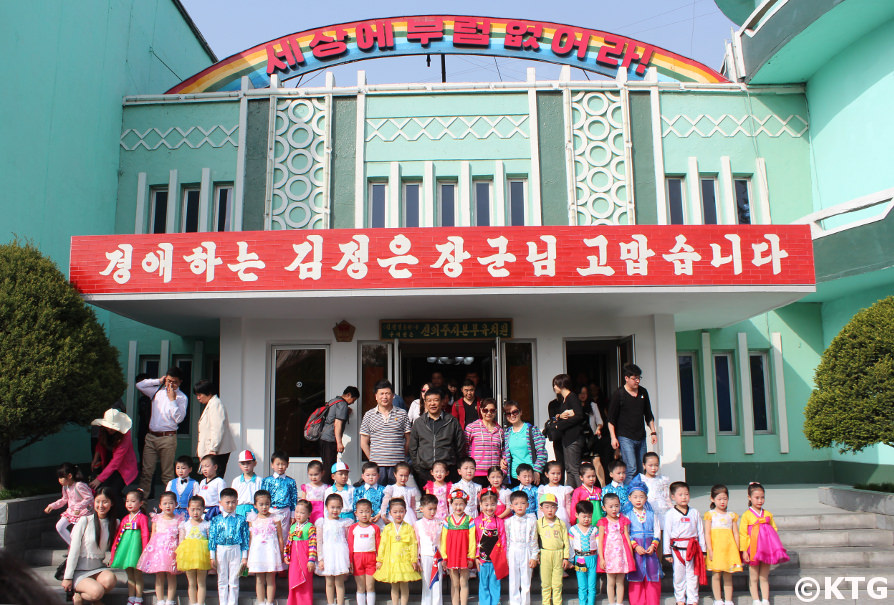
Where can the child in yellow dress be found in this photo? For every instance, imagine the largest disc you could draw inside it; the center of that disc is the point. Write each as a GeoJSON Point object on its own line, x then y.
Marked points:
{"type": "Point", "coordinates": [722, 542]}
{"type": "Point", "coordinates": [193, 556]}
{"type": "Point", "coordinates": [397, 562]}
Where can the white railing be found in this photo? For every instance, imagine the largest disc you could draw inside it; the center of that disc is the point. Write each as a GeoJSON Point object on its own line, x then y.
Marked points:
{"type": "Point", "coordinates": [816, 220]}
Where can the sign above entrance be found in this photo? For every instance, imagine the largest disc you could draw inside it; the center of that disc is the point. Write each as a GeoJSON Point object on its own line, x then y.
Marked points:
{"type": "Point", "coordinates": [464, 257]}
{"type": "Point", "coordinates": [445, 329]}
{"type": "Point", "coordinates": [314, 49]}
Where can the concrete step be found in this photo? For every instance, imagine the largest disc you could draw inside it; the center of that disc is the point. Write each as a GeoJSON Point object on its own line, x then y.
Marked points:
{"type": "Point", "coordinates": [41, 557]}
{"type": "Point", "coordinates": [846, 521]}
{"type": "Point", "coordinates": [852, 556]}
{"type": "Point", "coordinates": [837, 538]}
{"type": "Point", "coordinates": [51, 539]}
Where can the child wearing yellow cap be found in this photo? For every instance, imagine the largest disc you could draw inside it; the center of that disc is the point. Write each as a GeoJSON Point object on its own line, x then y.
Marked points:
{"type": "Point", "coordinates": [554, 547]}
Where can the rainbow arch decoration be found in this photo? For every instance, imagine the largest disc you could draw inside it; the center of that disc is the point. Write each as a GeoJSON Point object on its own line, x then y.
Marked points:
{"type": "Point", "coordinates": [314, 49]}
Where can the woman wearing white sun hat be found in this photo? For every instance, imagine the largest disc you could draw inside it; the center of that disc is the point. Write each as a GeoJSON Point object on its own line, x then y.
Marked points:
{"type": "Point", "coordinates": [115, 455]}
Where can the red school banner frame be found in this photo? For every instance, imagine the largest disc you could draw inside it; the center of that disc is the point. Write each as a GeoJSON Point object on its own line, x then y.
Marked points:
{"type": "Point", "coordinates": [322, 47]}
{"type": "Point", "coordinates": [466, 257]}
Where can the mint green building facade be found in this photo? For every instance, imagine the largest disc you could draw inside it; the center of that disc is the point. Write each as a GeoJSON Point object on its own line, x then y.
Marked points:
{"type": "Point", "coordinates": [792, 138]}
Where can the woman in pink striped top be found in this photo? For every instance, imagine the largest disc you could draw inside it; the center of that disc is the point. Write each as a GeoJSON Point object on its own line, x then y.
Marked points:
{"type": "Point", "coordinates": [484, 441]}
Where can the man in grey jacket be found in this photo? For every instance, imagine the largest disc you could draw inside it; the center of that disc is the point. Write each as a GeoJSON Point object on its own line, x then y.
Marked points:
{"type": "Point", "coordinates": [435, 436]}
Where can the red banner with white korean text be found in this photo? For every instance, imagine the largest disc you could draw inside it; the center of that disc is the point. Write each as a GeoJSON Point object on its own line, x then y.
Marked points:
{"type": "Point", "coordinates": [462, 257]}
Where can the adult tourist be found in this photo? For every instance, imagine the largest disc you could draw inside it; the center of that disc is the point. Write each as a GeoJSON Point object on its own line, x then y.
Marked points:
{"type": "Point", "coordinates": [168, 411]}
{"type": "Point", "coordinates": [595, 437]}
{"type": "Point", "coordinates": [91, 539]}
{"type": "Point", "coordinates": [629, 410]}
{"type": "Point", "coordinates": [435, 436]}
{"type": "Point", "coordinates": [570, 423]}
{"type": "Point", "coordinates": [416, 408]}
{"type": "Point", "coordinates": [215, 437]}
{"type": "Point", "coordinates": [115, 458]}
{"type": "Point", "coordinates": [481, 389]}
{"type": "Point", "coordinates": [331, 439]}
{"type": "Point", "coordinates": [468, 409]}
{"type": "Point", "coordinates": [385, 432]}
{"type": "Point", "coordinates": [437, 379]}
{"type": "Point", "coordinates": [523, 443]}
{"type": "Point", "coordinates": [484, 441]}
{"type": "Point", "coordinates": [452, 394]}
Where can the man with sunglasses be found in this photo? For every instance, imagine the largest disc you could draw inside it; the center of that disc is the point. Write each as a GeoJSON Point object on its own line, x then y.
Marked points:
{"type": "Point", "coordinates": [629, 410]}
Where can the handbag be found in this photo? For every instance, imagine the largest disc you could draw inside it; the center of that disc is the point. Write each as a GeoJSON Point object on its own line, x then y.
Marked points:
{"type": "Point", "coordinates": [551, 430]}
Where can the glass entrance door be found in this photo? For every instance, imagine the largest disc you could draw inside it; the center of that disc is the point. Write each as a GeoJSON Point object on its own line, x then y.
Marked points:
{"type": "Point", "coordinates": [299, 387]}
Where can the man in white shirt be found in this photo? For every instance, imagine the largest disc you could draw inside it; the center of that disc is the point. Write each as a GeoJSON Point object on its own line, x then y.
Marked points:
{"type": "Point", "coordinates": [168, 411]}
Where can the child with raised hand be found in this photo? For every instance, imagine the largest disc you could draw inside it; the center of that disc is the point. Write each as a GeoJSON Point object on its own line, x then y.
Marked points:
{"type": "Point", "coordinates": [77, 498]}
{"type": "Point", "coordinates": [342, 488]}
{"type": "Point", "coordinates": [557, 489]}
{"type": "Point", "coordinates": [193, 557]}
{"type": "Point", "coordinates": [587, 491]}
{"type": "Point", "coordinates": [228, 542]}
{"type": "Point", "coordinates": [490, 553]}
{"type": "Point", "coordinates": [525, 474]}
{"type": "Point", "coordinates": [314, 491]}
{"type": "Point", "coordinates": [428, 536]}
{"type": "Point", "coordinates": [282, 489]}
{"type": "Point", "coordinates": [458, 547]}
{"type": "Point", "coordinates": [658, 484]}
{"type": "Point", "coordinates": [615, 556]}
{"type": "Point", "coordinates": [363, 542]}
{"type": "Point", "coordinates": [301, 555]}
{"type": "Point", "coordinates": [265, 549]}
{"type": "Point", "coordinates": [333, 555]}
{"type": "Point", "coordinates": [582, 536]}
{"type": "Point", "coordinates": [644, 583]}
{"type": "Point", "coordinates": [522, 550]}
{"type": "Point", "coordinates": [184, 486]}
{"type": "Point", "coordinates": [467, 483]}
{"type": "Point", "coordinates": [722, 541]}
{"type": "Point", "coordinates": [400, 489]}
{"type": "Point", "coordinates": [397, 562]}
{"type": "Point", "coordinates": [617, 472]}
{"type": "Point", "coordinates": [159, 555]}
{"type": "Point", "coordinates": [211, 486]}
{"type": "Point", "coordinates": [371, 491]}
{"type": "Point", "coordinates": [684, 543]}
{"type": "Point", "coordinates": [760, 544]}
{"type": "Point", "coordinates": [246, 484]}
{"type": "Point", "coordinates": [554, 550]}
{"type": "Point", "coordinates": [440, 488]}
{"type": "Point", "coordinates": [130, 540]}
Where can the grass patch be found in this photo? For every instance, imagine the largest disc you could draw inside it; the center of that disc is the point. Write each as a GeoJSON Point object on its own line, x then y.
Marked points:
{"type": "Point", "coordinates": [876, 487]}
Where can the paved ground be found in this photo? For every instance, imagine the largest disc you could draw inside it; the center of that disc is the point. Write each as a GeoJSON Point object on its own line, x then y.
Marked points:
{"type": "Point", "coordinates": [781, 499]}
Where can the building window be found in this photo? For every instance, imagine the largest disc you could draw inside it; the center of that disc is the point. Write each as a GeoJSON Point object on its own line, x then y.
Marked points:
{"type": "Point", "coordinates": [189, 210]}
{"type": "Point", "coordinates": [481, 203]}
{"type": "Point", "coordinates": [447, 204]}
{"type": "Point", "coordinates": [743, 200]}
{"type": "Point", "coordinates": [158, 210]}
{"type": "Point", "coordinates": [725, 393]}
{"type": "Point", "coordinates": [517, 207]}
{"type": "Point", "coordinates": [709, 200]}
{"type": "Point", "coordinates": [675, 201]}
{"type": "Point", "coordinates": [222, 196]}
{"type": "Point", "coordinates": [411, 204]}
{"type": "Point", "coordinates": [688, 393]}
{"type": "Point", "coordinates": [378, 193]}
{"type": "Point", "coordinates": [760, 392]}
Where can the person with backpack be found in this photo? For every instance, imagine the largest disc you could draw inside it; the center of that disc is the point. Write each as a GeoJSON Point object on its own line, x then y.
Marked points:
{"type": "Point", "coordinates": [523, 443]}
{"type": "Point", "coordinates": [333, 426]}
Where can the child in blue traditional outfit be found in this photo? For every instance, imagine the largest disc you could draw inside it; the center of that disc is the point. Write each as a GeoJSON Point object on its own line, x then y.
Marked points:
{"type": "Point", "coordinates": [644, 583]}
{"type": "Point", "coordinates": [283, 490]}
{"type": "Point", "coordinates": [184, 486]}
{"type": "Point", "coordinates": [370, 490]}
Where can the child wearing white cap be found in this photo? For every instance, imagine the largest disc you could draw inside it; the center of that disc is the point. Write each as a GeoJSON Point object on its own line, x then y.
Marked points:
{"type": "Point", "coordinates": [341, 487]}
{"type": "Point", "coordinates": [246, 484]}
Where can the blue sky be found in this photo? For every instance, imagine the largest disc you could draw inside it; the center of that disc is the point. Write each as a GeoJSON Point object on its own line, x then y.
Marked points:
{"type": "Point", "coordinates": [692, 28]}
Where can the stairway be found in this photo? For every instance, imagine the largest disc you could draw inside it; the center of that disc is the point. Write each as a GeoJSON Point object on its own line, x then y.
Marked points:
{"type": "Point", "coordinates": [820, 546]}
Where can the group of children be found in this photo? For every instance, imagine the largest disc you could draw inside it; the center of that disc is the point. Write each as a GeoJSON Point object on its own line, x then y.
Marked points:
{"type": "Point", "coordinates": [397, 535]}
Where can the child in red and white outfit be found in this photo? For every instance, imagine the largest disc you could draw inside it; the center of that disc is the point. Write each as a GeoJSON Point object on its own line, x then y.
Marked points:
{"type": "Point", "coordinates": [363, 544]}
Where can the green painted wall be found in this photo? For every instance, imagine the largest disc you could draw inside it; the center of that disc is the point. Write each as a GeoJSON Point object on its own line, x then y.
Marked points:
{"type": "Point", "coordinates": [344, 166]}
{"type": "Point", "coordinates": [787, 156]}
{"type": "Point", "coordinates": [850, 131]}
{"type": "Point", "coordinates": [644, 186]}
{"type": "Point", "coordinates": [553, 169]}
{"type": "Point", "coordinates": [255, 183]}
{"type": "Point", "coordinates": [70, 65]}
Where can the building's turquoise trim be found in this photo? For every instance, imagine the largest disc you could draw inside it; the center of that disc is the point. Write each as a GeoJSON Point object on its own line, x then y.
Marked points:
{"type": "Point", "coordinates": [344, 162]}
{"type": "Point", "coordinates": [553, 167]}
{"type": "Point", "coordinates": [643, 159]}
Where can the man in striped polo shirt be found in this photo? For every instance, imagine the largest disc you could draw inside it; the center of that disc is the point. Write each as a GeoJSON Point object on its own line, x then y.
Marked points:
{"type": "Point", "coordinates": [385, 433]}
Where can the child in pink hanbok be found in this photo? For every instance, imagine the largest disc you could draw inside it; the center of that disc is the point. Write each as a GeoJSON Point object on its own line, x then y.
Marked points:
{"type": "Point", "coordinates": [760, 543]}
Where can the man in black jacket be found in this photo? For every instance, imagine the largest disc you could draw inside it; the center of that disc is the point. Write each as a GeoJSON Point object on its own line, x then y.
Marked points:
{"type": "Point", "coordinates": [435, 436]}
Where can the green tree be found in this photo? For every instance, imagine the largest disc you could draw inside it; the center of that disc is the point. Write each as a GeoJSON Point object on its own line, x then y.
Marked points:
{"type": "Point", "coordinates": [852, 406]}
{"type": "Point", "coordinates": [56, 363]}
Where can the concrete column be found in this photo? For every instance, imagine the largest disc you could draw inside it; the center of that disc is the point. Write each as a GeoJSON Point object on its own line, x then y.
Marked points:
{"type": "Point", "coordinates": [666, 400]}
{"type": "Point", "coordinates": [232, 395]}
